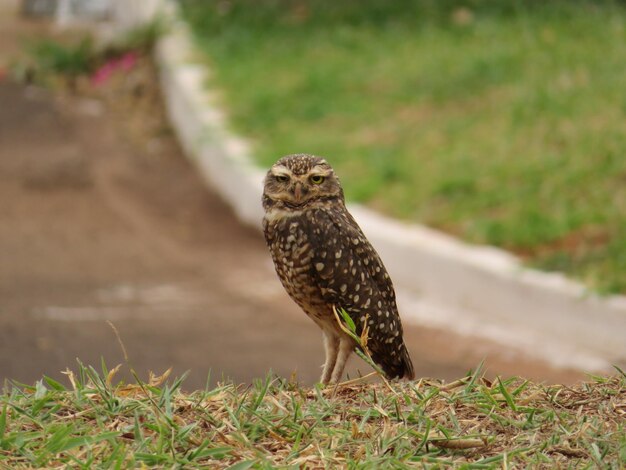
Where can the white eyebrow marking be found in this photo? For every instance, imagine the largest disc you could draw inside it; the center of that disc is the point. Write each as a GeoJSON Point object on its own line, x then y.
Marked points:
{"type": "Point", "coordinates": [281, 170]}
{"type": "Point", "coordinates": [317, 171]}
{"type": "Point", "coordinates": [320, 172]}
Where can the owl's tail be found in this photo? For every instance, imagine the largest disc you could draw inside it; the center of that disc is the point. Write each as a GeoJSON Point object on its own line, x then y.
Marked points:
{"type": "Point", "coordinates": [407, 365]}
{"type": "Point", "coordinates": [396, 366]}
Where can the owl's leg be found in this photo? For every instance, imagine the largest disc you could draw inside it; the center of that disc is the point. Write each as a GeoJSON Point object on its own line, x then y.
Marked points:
{"type": "Point", "coordinates": [346, 346]}
{"type": "Point", "coordinates": [331, 345]}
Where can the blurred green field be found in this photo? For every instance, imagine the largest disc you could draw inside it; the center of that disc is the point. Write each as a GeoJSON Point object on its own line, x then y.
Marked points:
{"type": "Point", "coordinates": [502, 122]}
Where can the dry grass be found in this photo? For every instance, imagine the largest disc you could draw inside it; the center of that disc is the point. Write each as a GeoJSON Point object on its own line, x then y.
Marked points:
{"type": "Point", "coordinates": [471, 422]}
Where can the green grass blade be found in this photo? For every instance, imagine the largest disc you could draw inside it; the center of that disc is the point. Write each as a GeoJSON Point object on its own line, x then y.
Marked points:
{"type": "Point", "coordinates": [507, 396]}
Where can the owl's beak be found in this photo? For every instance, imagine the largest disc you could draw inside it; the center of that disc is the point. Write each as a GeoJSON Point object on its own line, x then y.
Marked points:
{"type": "Point", "coordinates": [297, 192]}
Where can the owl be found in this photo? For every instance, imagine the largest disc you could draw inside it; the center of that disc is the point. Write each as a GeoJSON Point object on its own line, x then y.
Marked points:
{"type": "Point", "coordinates": [323, 261]}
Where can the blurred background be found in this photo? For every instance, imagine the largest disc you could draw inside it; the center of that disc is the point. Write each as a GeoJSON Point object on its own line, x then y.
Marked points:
{"type": "Point", "coordinates": [498, 122]}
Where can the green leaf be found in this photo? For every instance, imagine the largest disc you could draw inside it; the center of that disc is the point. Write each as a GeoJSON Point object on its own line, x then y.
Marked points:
{"type": "Point", "coordinates": [38, 405]}
{"type": "Point", "coordinates": [88, 440]}
{"type": "Point", "coordinates": [217, 452]}
{"type": "Point", "coordinates": [185, 430]}
{"type": "Point", "coordinates": [137, 429]}
{"type": "Point", "coordinates": [3, 422]}
{"type": "Point", "coordinates": [346, 318]}
{"type": "Point", "coordinates": [262, 392]}
{"type": "Point", "coordinates": [201, 452]}
{"type": "Point", "coordinates": [59, 439]}
{"type": "Point", "coordinates": [617, 368]}
{"type": "Point", "coordinates": [507, 395]}
{"type": "Point", "coordinates": [520, 389]}
{"type": "Point", "coordinates": [152, 459]}
{"type": "Point", "coordinates": [477, 373]}
{"type": "Point", "coordinates": [54, 384]}
{"type": "Point", "coordinates": [244, 465]}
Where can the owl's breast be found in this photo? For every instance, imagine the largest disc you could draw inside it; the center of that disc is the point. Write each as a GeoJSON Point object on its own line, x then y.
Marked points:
{"type": "Point", "coordinates": [292, 251]}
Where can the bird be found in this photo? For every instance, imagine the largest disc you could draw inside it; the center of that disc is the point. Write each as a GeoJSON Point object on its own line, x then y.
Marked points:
{"type": "Point", "coordinates": [325, 263]}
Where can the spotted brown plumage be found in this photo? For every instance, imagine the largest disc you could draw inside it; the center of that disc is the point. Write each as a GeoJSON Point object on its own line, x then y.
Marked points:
{"type": "Point", "coordinates": [323, 259]}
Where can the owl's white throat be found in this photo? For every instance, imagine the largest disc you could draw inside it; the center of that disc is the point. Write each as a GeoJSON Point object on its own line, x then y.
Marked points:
{"type": "Point", "coordinates": [276, 213]}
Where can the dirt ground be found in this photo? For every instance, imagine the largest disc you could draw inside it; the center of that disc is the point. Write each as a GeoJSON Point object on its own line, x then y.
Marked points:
{"type": "Point", "coordinates": [102, 218]}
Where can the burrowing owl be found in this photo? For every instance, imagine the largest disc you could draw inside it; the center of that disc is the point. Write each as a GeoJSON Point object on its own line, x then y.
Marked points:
{"type": "Point", "coordinates": [324, 260]}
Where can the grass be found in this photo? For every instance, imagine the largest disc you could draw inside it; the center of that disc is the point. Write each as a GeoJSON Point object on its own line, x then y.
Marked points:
{"type": "Point", "coordinates": [470, 423]}
{"type": "Point", "coordinates": [500, 122]}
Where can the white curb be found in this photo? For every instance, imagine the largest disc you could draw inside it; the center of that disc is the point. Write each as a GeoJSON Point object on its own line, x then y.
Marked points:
{"type": "Point", "coordinates": [442, 281]}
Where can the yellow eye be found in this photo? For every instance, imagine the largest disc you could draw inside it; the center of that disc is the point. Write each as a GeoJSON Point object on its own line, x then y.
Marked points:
{"type": "Point", "coordinates": [317, 179]}
{"type": "Point", "coordinates": [282, 178]}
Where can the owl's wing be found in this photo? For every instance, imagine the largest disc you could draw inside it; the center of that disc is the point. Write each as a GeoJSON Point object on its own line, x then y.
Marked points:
{"type": "Point", "coordinates": [342, 255]}
{"type": "Point", "coordinates": [351, 275]}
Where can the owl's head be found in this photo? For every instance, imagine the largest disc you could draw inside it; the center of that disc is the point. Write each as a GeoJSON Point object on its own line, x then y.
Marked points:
{"type": "Point", "coordinates": [298, 181]}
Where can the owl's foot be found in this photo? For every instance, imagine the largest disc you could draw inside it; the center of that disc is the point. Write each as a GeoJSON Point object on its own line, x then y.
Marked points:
{"type": "Point", "coordinates": [331, 346]}
{"type": "Point", "coordinates": [338, 351]}
{"type": "Point", "coordinates": [346, 346]}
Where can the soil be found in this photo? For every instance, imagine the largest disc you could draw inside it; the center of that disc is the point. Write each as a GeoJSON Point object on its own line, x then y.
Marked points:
{"type": "Point", "coordinates": [103, 219]}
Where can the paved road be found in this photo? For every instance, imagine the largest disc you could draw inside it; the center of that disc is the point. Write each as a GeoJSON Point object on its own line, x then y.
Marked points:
{"type": "Point", "coordinates": [102, 218]}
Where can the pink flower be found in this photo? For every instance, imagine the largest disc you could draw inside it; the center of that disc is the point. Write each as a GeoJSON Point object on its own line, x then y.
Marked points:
{"type": "Point", "coordinates": [104, 72]}
{"type": "Point", "coordinates": [122, 63]}
{"type": "Point", "coordinates": [127, 61]}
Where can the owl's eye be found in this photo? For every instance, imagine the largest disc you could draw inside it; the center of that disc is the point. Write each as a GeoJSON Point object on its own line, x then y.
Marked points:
{"type": "Point", "coordinates": [317, 179]}
{"type": "Point", "coordinates": [282, 178]}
